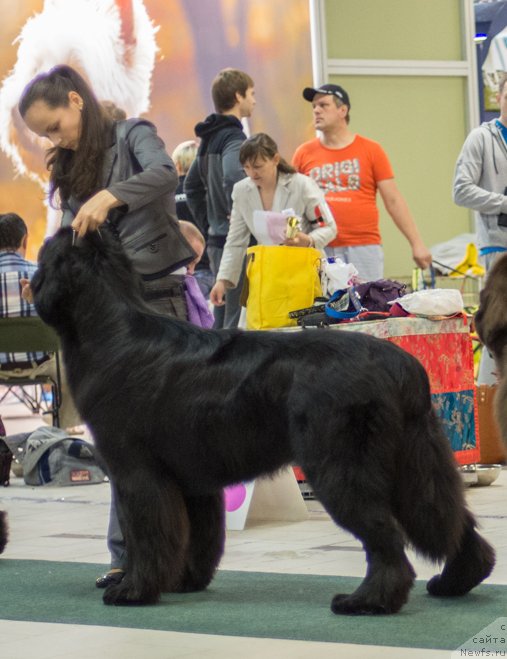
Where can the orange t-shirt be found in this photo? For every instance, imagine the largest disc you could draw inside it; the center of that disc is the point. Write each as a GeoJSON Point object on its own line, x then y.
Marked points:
{"type": "Point", "coordinates": [349, 179]}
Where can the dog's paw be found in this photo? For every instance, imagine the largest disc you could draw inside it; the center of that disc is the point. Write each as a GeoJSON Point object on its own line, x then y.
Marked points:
{"type": "Point", "coordinates": [125, 594]}
{"type": "Point", "coordinates": [191, 584]}
{"type": "Point", "coordinates": [352, 605]}
{"type": "Point", "coordinates": [437, 587]}
{"type": "Point", "coordinates": [466, 571]}
{"type": "Point", "coordinates": [189, 587]}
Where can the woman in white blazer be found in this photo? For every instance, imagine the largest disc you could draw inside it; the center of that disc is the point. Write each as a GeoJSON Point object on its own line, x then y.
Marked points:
{"type": "Point", "coordinates": [271, 185]}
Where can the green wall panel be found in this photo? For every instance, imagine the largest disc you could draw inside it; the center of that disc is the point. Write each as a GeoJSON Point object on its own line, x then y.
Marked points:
{"type": "Point", "coordinates": [394, 29]}
{"type": "Point", "coordinates": [420, 122]}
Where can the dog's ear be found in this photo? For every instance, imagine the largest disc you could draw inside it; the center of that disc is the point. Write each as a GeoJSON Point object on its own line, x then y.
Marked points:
{"type": "Point", "coordinates": [68, 264]}
{"type": "Point", "coordinates": [50, 283]}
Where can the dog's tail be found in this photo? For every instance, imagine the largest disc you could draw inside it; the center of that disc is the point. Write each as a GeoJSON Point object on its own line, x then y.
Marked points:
{"type": "Point", "coordinates": [4, 535]}
{"type": "Point", "coordinates": [431, 509]}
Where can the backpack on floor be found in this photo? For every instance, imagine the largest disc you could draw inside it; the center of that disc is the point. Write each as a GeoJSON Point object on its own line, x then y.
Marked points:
{"type": "Point", "coordinates": [51, 457]}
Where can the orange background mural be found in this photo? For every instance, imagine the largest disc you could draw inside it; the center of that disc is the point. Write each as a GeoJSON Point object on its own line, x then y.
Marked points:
{"type": "Point", "coordinates": [270, 39]}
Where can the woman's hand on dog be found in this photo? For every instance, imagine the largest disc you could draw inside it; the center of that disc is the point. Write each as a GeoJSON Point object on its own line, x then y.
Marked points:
{"type": "Point", "coordinates": [94, 212]}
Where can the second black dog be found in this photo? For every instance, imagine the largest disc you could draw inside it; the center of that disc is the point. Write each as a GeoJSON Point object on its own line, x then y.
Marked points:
{"type": "Point", "coordinates": [179, 412]}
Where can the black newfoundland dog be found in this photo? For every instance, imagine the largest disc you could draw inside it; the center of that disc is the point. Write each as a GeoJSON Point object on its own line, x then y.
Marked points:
{"type": "Point", "coordinates": [4, 534]}
{"type": "Point", "coordinates": [178, 413]}
{"type": "Point", "coordinates": [491, 326]}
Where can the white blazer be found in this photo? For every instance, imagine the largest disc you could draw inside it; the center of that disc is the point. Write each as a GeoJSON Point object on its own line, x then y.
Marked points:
{"type": "Point", "coordinates": [295, 191]}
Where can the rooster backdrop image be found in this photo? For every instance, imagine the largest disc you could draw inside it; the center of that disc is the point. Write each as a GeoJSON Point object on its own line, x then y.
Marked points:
{"type": "Point", "coordinates": [151, 58]}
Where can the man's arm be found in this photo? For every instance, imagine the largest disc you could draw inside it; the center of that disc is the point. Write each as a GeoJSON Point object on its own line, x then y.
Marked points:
{"type": "Point", "coordinates": [232, 170]}
{"type": "Point", "coordinates": [398, 209]}
{"type": "Point", "coordinates": [297, 160]}
{"type": "Point", "coordinates": [466, 190]}
{"type": "Point", "coordinates": [195, 191]}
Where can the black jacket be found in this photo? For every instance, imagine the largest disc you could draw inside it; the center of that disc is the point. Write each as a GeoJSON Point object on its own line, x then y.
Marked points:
{"type": "Point", "coordinates": [183, 212]}
{"type": "Point", "coordinates": [138, 171]}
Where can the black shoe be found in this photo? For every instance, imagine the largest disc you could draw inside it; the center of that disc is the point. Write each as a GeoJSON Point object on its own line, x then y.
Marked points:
{"type": "Point", "coordinates": [108, 579]}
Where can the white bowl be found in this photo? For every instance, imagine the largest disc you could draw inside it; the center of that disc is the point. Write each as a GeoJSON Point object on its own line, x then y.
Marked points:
{"type": "Point", "coordinates": [487, 474]}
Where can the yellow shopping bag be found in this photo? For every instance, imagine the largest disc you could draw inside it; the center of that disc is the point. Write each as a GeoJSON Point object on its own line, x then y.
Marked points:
{"type": "Point", "coordinates": [280, 279]}
{"type": "Point", "coordinates": [470, 264]}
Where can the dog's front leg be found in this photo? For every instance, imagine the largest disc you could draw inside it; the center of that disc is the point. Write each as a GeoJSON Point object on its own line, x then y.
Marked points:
{"type": "Point", "coordinates": [207, 538]}
{"type": "Point", "coordinates": [156, 529]}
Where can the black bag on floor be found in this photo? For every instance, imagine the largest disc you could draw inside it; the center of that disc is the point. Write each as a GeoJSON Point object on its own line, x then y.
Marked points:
{"type": "Point", "coordinates": [5, 458]}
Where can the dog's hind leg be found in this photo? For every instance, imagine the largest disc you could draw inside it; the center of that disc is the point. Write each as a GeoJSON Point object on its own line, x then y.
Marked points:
{"type": "Point", "coordinates": [4, 535]}
{"type": "Point", "coordinates": [156, 529]}
{"type": "Point", "coordinates": [471, 564]}
{"type": "Point", "coordinates": [207, 539]}
{"type": "Point", "coordinates": [361, 510]}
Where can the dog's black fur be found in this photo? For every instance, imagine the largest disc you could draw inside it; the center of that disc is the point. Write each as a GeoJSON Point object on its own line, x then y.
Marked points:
{"type": "Point", "coordinates": [491, 326]}
{"type": "Point", "coordinates": [4, 534]}
{"type": "Point", "coordinates": [179, 412]}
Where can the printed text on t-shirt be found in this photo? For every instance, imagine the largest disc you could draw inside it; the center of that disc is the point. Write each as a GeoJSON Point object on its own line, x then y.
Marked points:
{"type": "Point", "coordinates": [338, 176]}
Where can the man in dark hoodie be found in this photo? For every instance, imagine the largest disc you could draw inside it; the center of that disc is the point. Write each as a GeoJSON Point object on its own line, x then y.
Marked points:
{"type": "Point", "coordinates": [216, 169]}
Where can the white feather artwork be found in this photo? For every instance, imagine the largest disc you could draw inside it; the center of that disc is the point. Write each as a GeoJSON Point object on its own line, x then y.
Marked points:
{"type": "Point", "coordinates": [110, 42]}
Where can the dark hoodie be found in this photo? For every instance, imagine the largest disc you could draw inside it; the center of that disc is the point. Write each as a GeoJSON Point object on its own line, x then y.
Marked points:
{"type": "Point", "coordinates": [212, 175]}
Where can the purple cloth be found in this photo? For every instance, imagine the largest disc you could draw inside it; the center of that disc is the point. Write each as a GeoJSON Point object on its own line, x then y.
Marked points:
{"type": "Point", "coordinates": [198, 310]}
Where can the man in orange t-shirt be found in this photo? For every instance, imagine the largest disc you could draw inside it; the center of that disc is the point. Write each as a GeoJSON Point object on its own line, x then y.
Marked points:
{"type": "Point", "coordinates": [350, 169]}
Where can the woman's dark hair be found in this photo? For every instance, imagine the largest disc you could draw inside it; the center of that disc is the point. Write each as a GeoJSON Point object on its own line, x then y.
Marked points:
{"type": "Point", "coordinates": [77, 172]}
{"type": "Point", "coordinates": [263, 146]}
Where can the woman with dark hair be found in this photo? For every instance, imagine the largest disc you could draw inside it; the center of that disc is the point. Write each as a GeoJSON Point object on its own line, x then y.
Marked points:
{"type": "Point", "coordinates": [271, 185]}
{"type": "Point", "coordinates": [115, 174]}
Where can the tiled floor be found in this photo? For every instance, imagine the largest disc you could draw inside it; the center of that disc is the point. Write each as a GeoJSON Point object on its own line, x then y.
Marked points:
{"type": "Point", "coordinates": [68, 524]}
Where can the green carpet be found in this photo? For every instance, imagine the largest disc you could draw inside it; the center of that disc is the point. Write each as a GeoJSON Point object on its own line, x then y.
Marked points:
{"type": "Point", "coordinates": [285, 606]}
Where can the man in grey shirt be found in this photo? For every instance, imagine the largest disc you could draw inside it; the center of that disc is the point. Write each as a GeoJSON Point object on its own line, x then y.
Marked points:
{"type": "Point", "coordinates": [480, 183]}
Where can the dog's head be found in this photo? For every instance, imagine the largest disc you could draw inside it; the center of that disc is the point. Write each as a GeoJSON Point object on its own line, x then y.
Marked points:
{"type": "Point", "coordinates": [74, 273]}
{"type": "Point", "coordinates": [491, 318]}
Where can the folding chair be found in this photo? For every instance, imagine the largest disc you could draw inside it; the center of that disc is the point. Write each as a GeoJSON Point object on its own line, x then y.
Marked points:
{"type": "Point", "coordinates": [30, 334]}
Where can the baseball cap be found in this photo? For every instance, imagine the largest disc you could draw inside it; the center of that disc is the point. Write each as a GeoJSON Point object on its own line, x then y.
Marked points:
{"type": "Point", "coordinates": [333, 90]}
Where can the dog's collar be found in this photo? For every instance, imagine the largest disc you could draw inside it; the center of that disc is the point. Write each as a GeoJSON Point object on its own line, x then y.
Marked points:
{"type": "Point", "coordinates": [76, 239]}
